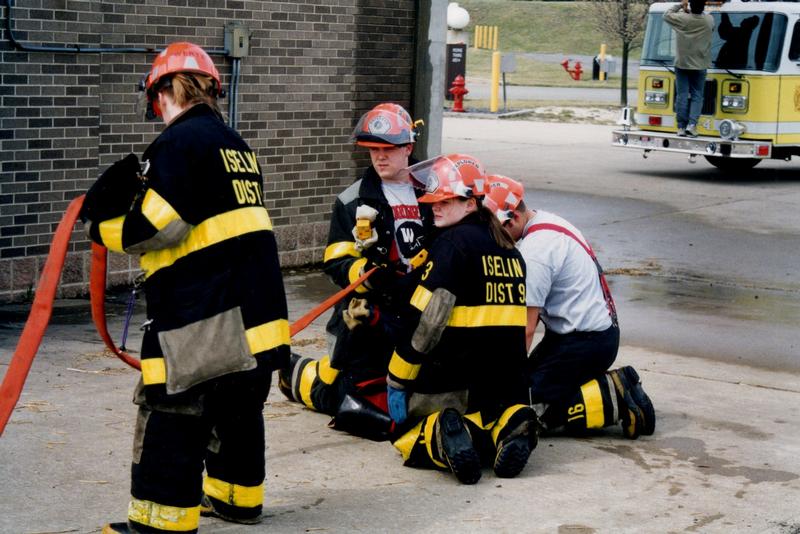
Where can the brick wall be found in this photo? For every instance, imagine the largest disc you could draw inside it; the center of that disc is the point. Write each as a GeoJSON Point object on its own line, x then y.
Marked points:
{"type": "Point", "coordinates": [314, 67]}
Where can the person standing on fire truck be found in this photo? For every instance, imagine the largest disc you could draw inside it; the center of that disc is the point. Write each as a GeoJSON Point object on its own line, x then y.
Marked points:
{"type": "Point", "coordinates": [693, 32]}
{"type": "Point", "coordinates": [376, 222]}
{"type": "Point", "coordinates": [570, 385]}
{"type": "Point", "coordinates": [217, 319]}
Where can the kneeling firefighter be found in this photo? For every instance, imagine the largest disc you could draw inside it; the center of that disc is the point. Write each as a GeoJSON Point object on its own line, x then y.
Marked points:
{"type": "Point", "coordinates": [376, 222]}
{"type": "Point", "coordinates": [455, 385]}
{"type": "Point", "coordinates": [217, 317]}
{"type": "Point", "coordinates": [571, 386]}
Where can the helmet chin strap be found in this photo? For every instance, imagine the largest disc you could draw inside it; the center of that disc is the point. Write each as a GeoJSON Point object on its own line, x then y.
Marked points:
{"type": "Point", "coordinates": [150, 112]}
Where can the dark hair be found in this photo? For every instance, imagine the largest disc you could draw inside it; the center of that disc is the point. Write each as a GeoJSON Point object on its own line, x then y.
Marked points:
{"type": "Point", "coordinates": [697, 6]}
{"type": "Point", "coordinates": [499, 234]}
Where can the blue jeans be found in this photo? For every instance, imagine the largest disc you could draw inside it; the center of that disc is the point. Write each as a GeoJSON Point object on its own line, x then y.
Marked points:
{"type": "Point", "coordinates": [689, 85]}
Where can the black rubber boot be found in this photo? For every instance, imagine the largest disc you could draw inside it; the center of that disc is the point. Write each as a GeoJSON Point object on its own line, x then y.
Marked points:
{"type": "Point", "coordinates": [455, 446]}
{"type": "Point", "coordinates": [287, 378]}
{"type": "Point", "coordinates": [636, 410]}
{"type": "Point", "coordinates": [117, 528]}
{"type": "Point", "coordinates": [207, 509]}
{"type": "Point", "coordinates": [516, 443]}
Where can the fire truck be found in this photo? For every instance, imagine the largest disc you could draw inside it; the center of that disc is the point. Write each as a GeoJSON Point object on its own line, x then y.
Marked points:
{"type": "Point", "coordinates": [751, 102]}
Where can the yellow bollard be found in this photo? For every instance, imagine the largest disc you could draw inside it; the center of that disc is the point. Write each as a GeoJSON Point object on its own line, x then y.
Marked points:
{"type": "Point", "coordinates": [495, 81]}
{"type": "Point", "coordinates": [478, 36]}
{"type": "Point", "coordinates": [602, 59]}
{"type": "Point", "coordinates": [494, 42]}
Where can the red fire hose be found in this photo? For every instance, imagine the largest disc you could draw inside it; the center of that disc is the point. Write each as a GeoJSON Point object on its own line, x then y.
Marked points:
{"type": "Point", "coordinates": [42, 309]}
{"type": "Point", "coordinates": [97, 296]}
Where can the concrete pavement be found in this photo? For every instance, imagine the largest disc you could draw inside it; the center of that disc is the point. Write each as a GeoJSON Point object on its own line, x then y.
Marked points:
{"type": "Point", "coordinates": [724, 457]}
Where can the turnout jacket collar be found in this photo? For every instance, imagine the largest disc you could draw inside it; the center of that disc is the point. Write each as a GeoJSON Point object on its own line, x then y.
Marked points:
{"type": "Point", "coordinates": [195, 110]}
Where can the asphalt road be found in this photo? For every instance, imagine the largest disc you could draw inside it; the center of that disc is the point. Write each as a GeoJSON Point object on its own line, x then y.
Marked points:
{"type": "Point", "coordinates": [702, 263]}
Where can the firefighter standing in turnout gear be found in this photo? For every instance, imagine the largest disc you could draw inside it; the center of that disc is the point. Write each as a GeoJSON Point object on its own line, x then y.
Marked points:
{"type": "Point", "coordinates": [217, 318]}
{"type": "Point", "coordinates": [376, 221]}
{"type": "Point", "coordinates": [570, 384]}
{"type": "Point", "coordinates": [455, 385]}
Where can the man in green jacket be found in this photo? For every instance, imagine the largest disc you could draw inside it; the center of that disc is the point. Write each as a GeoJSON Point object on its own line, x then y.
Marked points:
{"type": "Point", "coordinates": [693, 30]}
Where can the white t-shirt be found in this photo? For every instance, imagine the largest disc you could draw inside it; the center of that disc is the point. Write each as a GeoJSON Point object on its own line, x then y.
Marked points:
{"type": "Point", "coordinates": [562, 279]}
{"type": "Point", "coordinates": [408, 227]}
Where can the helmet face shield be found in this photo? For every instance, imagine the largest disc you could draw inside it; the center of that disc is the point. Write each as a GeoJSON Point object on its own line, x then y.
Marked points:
{"type": "Point", "coordinates": [443, 177]}
{"type": "Point", "coordinates": [146, 105]}
{"type": "Point", "coordinates": [384, 126]}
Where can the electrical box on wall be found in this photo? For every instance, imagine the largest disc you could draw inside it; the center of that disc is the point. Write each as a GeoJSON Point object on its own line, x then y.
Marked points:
{"type": "Point", "coordinates": [237, 39]}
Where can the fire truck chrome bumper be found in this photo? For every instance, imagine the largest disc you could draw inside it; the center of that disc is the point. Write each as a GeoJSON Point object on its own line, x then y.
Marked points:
{"type": "Point", "coordinates": [702, 146]}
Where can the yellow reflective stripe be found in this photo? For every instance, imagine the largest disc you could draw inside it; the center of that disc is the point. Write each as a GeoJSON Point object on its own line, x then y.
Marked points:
{"type": "Point", "coordinates": [402, 369]}
{"type": "Point", "coordinates": [340, 250]}
{"type": "Point", "coordinates": [157, 210]}
{"type": "Point", "coordinates": [111, 233]}
{"type": "Point", "coordinates": [500, 424]}
{"type": "Point", "coordinates": [160, 516]}
{"type": "Point", "coordinates": [593, 402]}
{"type": "Point", "coordinates": [477, 419]}
{"type": "Point", "coordinates": [430, 423]}
{"type": "Point", "coordinates": [489, 315]}
{"type": "Point", "coordinates": [267, 336]}
{"type": "Point", "coordinates": [154, 371]}
{"type": "Point", "coordinates": [327, 373]}
{"type": "Point", "coordinates": [355, 271]}
{"type": "Point", "coordinates": [421, 298]}
{"type": "Point", "coordinates": [306, 381]}
{"type": "Point", "coordinates": [209, 232]}
{"type": "Point", "coordinates": [234, 494]}
{"type": "Point", "coordinates": [406, 443]}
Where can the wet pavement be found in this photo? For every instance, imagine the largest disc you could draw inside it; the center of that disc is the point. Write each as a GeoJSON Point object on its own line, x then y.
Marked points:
{"type": "Point", "coordinates": [701, 263]}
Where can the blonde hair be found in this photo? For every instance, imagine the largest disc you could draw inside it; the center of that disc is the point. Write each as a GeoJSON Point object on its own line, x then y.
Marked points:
{"type": "Point", "coordinates": [187, 89]}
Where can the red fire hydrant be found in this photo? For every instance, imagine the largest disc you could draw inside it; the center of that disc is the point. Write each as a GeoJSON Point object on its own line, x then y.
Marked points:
{"type": "Point", "coordinates": [458, 91]}
{"type": "Point", "coordinates": [575, 73]}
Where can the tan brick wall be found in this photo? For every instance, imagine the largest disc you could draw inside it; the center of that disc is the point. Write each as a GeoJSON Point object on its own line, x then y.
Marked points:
{"type": "Point", "coordinates": [314, 67]}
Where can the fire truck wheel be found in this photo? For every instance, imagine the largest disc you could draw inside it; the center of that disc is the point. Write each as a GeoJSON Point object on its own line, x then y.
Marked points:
{"type": "Point", "coordinates": [733, 164]}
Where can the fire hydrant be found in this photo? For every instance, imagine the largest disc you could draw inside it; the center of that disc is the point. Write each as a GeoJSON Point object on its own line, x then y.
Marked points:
{"type": "Point", "coordinates": [458, 91]}
{"type": "Point", "coordinates": [575, 73]}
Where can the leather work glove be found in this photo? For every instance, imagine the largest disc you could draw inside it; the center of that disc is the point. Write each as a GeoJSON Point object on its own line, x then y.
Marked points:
{"type": "Point", "coordinates": [359, 312]}
{"type": "Point", "coordinates": [364, 233]}
{"type": "Point", "coordinates": [397, 399]}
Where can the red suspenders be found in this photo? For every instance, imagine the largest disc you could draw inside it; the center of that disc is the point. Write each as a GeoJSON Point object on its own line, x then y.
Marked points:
{"type": "Point", "coordinates": [612, 309]}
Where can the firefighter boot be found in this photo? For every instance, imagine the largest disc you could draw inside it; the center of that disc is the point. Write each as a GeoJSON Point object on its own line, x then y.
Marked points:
{"type": "Point", "coordinates": [516, 435]}
{"type": "Point", "coordinates": [117, 528]}
{"type": "Point", "coordinates": [287, 377]}
{"type": "Point", "coordinates": [207, 509]}
{"type": "Point", "coordinates": [636, 410]}
{"type": "Point", "coordinates": [361, 418]}
{"type": "Point", "coordinates": [454, 445]}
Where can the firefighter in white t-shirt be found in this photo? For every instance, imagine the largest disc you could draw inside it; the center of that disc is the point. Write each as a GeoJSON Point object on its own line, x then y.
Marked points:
{"type": "Point", "coordinates": [570, 384]}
